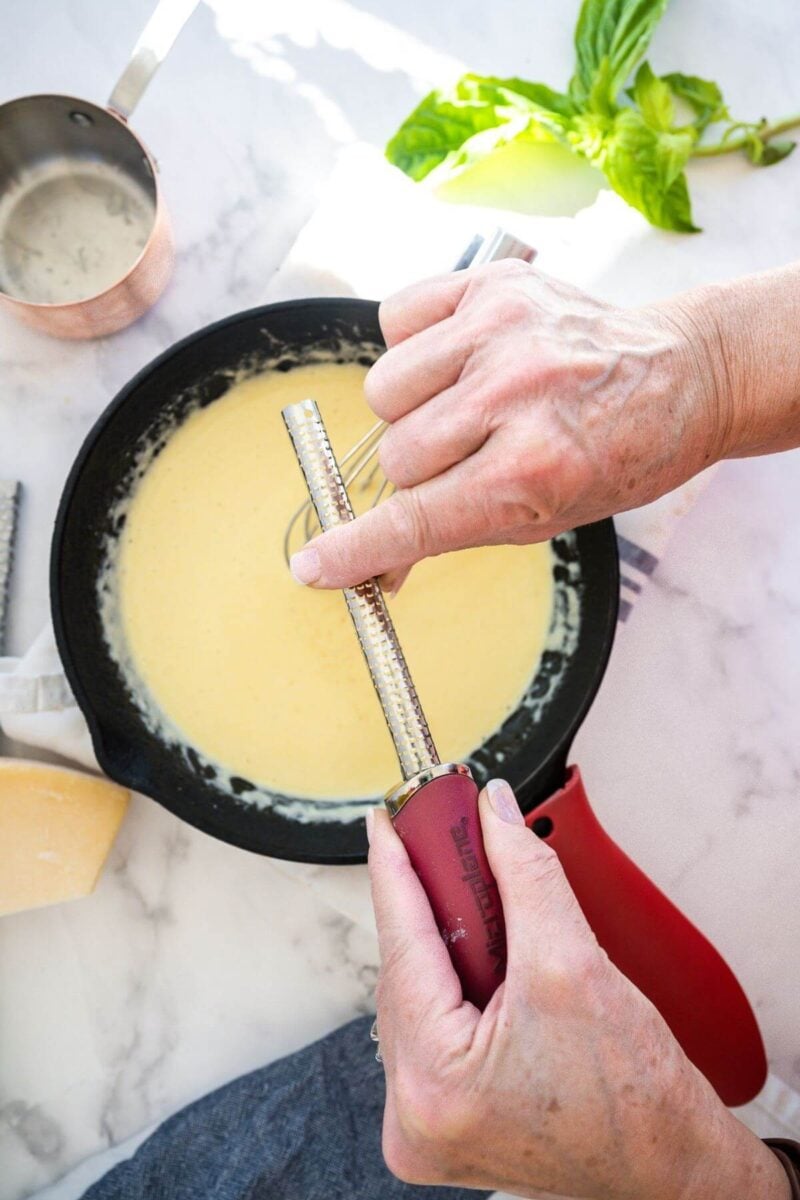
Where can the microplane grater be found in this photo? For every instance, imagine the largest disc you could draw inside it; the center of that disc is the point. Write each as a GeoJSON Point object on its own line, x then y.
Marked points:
{"type": "Point", "coordinates": [374, 627]}
{"type": "Point", "coordinates": [435, 809]}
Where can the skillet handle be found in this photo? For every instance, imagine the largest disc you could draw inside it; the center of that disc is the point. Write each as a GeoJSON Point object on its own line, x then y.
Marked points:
{"type": "Point", "coordinates": [656, 946]}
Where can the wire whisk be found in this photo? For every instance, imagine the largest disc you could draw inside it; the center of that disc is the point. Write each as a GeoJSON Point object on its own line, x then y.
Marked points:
{"type": "Point", "coordinates": [366, 449]}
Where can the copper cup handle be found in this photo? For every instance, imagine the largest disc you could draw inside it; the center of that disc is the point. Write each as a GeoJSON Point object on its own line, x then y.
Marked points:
{"type": "Point", "coordinates": [152, 48]}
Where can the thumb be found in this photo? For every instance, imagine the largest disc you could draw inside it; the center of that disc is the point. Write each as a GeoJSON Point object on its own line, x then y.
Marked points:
{"type": "Point", "coordinates": [438, 515]}
{"type": "Point", "coordinates": [417, 978]}
{"type": "Point", "coordinates": [545, 928]}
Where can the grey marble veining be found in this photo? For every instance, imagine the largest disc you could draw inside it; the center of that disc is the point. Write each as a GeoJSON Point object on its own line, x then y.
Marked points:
{"type": "Point", "coordinates": [194, 962]}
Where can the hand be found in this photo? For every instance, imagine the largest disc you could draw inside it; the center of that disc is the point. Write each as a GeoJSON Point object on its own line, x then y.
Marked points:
{"type": "Point", "coordinates": [519, 407]}
{"type": "Point", "coordinates": [569, 1084]}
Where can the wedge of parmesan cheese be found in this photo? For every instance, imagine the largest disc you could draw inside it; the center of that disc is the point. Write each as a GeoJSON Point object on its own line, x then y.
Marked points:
{"type": "Point", "coordinates": [56, 829]}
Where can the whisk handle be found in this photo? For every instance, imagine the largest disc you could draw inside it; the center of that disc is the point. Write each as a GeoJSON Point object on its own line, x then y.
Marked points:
{"type": "Point", "coordinates": [440, 827]}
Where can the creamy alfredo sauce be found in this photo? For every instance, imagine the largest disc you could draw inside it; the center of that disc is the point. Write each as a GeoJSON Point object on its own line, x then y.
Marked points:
{"type": "Point", "coordinates": [265, 677]}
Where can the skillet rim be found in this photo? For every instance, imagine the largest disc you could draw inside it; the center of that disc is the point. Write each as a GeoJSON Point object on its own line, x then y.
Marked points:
{"type": "Point", "coordinates": [597, 541]}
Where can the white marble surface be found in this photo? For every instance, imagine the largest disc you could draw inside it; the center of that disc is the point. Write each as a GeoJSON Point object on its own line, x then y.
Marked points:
{"type": "Point", "coordinates": [194, 962]}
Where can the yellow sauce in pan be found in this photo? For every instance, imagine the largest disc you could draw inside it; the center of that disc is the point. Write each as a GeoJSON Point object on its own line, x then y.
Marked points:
{"type": "Point", "coordinates": [266, 677]}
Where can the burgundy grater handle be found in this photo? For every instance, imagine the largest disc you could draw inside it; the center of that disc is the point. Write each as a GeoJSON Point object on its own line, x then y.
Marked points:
{"type": "Point", "coordinates": [441, 830]}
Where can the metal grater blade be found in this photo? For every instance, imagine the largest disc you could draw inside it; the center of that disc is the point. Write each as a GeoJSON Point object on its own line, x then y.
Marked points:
{"type": "Point", "coordinates": [376, 633]}
{"type": "Point", "coordinates": [9, 498]}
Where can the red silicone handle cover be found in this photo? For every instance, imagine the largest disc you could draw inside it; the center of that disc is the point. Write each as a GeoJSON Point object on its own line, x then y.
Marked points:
{"type": "Point", "coordinates": [655, 945]}
{"type": "Point", "coordinates": [441, 830]}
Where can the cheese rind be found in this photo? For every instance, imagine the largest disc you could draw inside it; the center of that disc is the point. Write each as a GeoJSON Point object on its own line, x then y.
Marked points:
{"type": "Point", "coordinates": [56, 829]}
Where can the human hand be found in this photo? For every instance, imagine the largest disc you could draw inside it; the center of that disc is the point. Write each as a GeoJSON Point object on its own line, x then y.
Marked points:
{"type": "Point", "coordinates": [519, 407]}
{"type": "Point", "coordinates": [569, 1084]}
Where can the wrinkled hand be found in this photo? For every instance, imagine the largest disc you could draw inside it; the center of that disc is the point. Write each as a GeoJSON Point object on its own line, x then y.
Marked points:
{"type": "Point", "coordinates": [569, 1084]}
{"type": "Point", "coordinates": [519, 407]}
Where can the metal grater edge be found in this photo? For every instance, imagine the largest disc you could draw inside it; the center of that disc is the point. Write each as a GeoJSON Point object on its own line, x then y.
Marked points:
{"type": "Point", "coordinates": [9, 500]}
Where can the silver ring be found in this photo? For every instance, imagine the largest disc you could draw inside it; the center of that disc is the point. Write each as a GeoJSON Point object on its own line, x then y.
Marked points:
{"type": "Point", "coordinates": [373, 1033]}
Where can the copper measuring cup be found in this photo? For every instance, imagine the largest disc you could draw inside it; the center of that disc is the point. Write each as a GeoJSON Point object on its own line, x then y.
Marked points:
{"type": "Point", "coordinates": [85, 240]}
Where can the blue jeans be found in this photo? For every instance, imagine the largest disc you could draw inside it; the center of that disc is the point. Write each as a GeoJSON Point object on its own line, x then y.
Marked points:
{"type": "Point", "coordinates": [305, 1128]}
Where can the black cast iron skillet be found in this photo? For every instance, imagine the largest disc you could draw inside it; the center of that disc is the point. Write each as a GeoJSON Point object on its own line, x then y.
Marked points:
{"type": "Point", "coordinates": [198, 370]}
{"type": "Point", "coordinates": [643, 933]}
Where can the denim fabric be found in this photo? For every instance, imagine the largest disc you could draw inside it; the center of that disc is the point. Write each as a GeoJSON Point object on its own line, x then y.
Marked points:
{"type": "Point", "coordinates": [305, 1128]}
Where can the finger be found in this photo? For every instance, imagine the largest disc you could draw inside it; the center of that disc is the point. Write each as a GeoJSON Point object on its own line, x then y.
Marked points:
{"type": "Point", "coordinates": [445, 513]}
{"type": "Point", "coordinates": [421, 304]}
{"type": "Point", "coordinates": [418, 981]}
{"type": "Point", "coordinates": [432, 300]}
{"type": "Point", "coordinates": [421, 366]}
{"type": "Point", "coordinates": [545, 927]}
{"type": "Point", "coordinates": [437, 435]}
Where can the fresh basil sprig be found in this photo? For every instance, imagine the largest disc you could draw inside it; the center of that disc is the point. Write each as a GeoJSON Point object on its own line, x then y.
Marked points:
{"type": "Point", "coordinates": [639, 137]}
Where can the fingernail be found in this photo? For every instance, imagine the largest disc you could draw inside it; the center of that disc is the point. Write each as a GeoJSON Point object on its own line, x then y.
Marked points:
{"type": "Point", "coordinates": [306, 565]}
{"type": "Point", "coordinates": [369, 820]}
{"type": "Point", "coordinates": [398, 581]}
{"type": "Point", "coordinates": [391, 586]}
{"type": "Point", "coordinates": [504, 802]}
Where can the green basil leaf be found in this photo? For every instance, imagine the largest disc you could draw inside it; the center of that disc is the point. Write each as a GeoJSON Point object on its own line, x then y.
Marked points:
{"type": "Point", "coordinates": [643, 164]}
{"type": "Point", "coordinates": [539, 94]}
{"type": "Point", "coordinates": [438, 126]}
{"type": "Point", "coordinates": [616, 30]}
{"type": "Point", "coordinates": [654, 98]}
{"type": "Point", "coordinates": [775, 152]}
{"type": "Point", "coordinates": [448, 131]}
{"type": "Point", "coordinates": [702, 95]}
